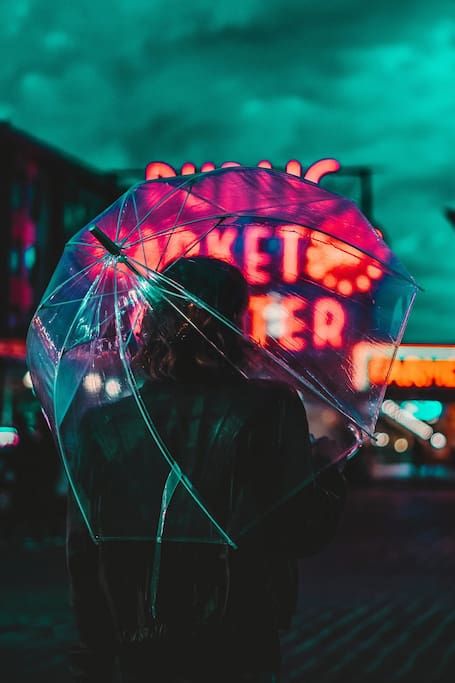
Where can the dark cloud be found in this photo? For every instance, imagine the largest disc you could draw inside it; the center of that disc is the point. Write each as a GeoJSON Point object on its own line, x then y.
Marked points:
{"type": "Point", "coordinates": [121, 82]}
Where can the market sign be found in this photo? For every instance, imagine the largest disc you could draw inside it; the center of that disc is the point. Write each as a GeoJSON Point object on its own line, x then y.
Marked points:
{"type": "Point", "coordinates": [418, 366]}
{"type": "Point", "coordinates": [271, 259]}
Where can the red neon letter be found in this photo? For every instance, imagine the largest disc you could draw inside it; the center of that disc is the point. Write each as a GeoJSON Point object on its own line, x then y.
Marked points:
{"type": "Point", "coordinates": [219, 243]}
{"type": "Point", "coordinates": [320, 168]}
{"type": "Point", "coordinates": [264, 164]}
{"type": "Point", "coordinates": [294, 167]}
{"type": "Point", "coordinates": [158, 169]}
{"type": "Point", "coordinates": [293, 341]}
{"type": "Point", "coordinates": [208, 166]}
{"type": "Point", "coordinates": [188, 168]}
{"type": "Point", "coordinates": [291, 235]}
{"type": "Point", "coordinates": [258, 328]}
{"type": "Point", "coordinates": [254, 260]}
{"type": "Point", "coordinates": [329, 321]}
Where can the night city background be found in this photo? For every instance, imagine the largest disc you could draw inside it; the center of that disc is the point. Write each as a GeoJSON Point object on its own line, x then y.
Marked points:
{"type": "Point", "coordinates": [90, 93]}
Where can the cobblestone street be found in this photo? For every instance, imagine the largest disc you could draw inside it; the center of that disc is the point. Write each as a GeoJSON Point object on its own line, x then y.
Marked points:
{"type": "Point", "coordinates": [377, 605]}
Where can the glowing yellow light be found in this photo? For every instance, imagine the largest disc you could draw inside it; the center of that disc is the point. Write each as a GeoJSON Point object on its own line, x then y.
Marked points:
{"type": "Point", "coordinates": [382, 439]}
{"type": "Point", "coordinates": [330, 281]}
{"type": "Point", "coordinates": [363, 283]}
{"type": "Point", "coordinates": [374, 272]}
{"type": "Point", "coordinates": [27, 380]}
{"type": "Point", "coordinates": [401, 445]}
{"type": "Point", "coordinates": [345, 287]}
{"type": "Point", "coordinates": [113, 387]}
{"type": "Point", "coordinates": [438, 440]}
{"type": "Point", "coordinates": [316, 270]}
{"type": "Point", "coordinates": [92, 382]}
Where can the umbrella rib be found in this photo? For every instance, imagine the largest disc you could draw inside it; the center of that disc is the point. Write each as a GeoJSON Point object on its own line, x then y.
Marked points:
{"type": "Point", "coordinates": [406, 277]}
{"type": "Point", "coordinates": [119, 213]}
{"type": "Point", "coordinates": [166, 197]}
{"type": "Point", "coordinates": [93, 286]}
{"type": "Point", "coordinates": [185, 224]}
{"type": "Point", "coordinates": [180, 228]}
{"type": "Point", "coordinates": [158, 440]}
{"type": "Point", "coordinates": [172, 230]}
{"type": "Point", "coordinates": [324, 395]}
{"type": "Point", "coordinates": [152, 209]}
{"type": "Point", "coordinates": [144, 255]}
{"type": "Point", "coordinates": [72, 277]}
{"type": "Point", "coordinates": [74, 301]}
{"type": "Point", "coordinates": [196, 241]}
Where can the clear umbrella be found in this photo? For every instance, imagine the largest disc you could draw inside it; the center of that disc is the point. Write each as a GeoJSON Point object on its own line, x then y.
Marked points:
{"type": "Point", "coordinates": [320, 280]}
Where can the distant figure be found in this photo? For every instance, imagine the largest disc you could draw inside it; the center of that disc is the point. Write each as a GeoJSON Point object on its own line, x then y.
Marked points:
{"type": "Point", "coordinates": [218, 612]}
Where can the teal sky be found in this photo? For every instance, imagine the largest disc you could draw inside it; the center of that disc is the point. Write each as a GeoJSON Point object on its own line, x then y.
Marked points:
{"type": "Point", "coordinates": [122, 82]}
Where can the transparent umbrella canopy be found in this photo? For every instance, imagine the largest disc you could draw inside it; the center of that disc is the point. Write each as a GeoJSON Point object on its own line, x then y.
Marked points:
{"type": "Point", "coordinates": [320, 281]}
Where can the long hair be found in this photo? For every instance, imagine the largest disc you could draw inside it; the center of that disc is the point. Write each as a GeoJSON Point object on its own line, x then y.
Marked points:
{"type": "Point", "coordinates": [182, 340]}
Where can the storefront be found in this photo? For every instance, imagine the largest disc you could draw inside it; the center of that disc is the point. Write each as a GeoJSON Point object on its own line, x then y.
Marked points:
{"type": "Point", "coordinates": [415, 434]}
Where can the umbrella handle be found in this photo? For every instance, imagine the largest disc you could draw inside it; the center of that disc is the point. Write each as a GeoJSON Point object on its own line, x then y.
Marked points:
{"type": "Point", "coordinates": [106, 241]}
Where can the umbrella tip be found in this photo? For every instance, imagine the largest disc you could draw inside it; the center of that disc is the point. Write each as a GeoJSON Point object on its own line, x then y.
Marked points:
{"type": "Point", "coordinates": [106, 241]}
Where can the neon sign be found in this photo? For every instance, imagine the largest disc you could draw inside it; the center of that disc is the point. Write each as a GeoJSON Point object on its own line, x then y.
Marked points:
{"type": "Point", "coordinates": [270, 256]}
{"type": "Point", "coordinates": [294, 322]}
{"type": "Point", "coordinates": [416, 366]}
{"type": "Point", "coordinates": [337, 266]}
{"type": "Point", "coordinates": [415, 372]}
{"type": "Point", "coordinates": [265, 253]}
{"type": "Point", "coordinates": [161, 169]}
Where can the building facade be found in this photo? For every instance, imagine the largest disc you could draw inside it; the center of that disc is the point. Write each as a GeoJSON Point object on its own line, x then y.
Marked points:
{"type": "Point", "coordinates": [45, 196]}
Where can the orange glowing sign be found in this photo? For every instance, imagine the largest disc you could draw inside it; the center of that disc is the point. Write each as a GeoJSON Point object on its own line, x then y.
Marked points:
{"type": "Point", "coordinates": [415, 372]}
{"type": "Point", "coordinates": [416, 366]}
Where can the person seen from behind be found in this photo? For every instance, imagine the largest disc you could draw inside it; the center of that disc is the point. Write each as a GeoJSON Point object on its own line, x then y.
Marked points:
{"type": "Point", "coordinates": [218, 612]}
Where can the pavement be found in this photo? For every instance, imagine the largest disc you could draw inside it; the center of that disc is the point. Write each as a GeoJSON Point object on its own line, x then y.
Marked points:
{"type": "Point", "coordinates": [377, 605]}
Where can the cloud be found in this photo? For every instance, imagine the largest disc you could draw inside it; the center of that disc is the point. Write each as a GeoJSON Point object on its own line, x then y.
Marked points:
{"type": "Point", "coordinates": [119, 83]}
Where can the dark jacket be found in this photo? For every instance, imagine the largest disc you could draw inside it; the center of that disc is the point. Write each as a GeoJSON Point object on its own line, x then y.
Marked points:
{"type": "Point", "coordinates": [242, 444]}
